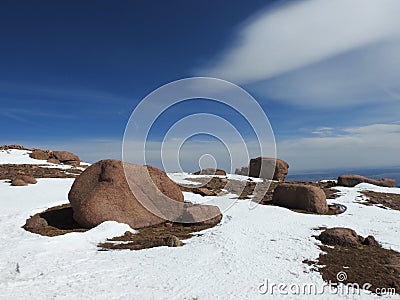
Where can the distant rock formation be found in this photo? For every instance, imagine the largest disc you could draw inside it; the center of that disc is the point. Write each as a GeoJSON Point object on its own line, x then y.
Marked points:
{"type": "Point", "coordinates": [300, 196]}
{"type": "Point", "coordinates": [56, 157]}
{"type": "Point", "coordinates": [351, 180]}
{"type": "Point", "coordinates": [210, 171]}
{"type": "Point", "coordinates": [265, 167]}
{"type": "Point", "coordinates": [13, 146]}
{"type": "Point", "coordinates": [242, 171]}
{"type": "Point", "coordinates": [102, 193]}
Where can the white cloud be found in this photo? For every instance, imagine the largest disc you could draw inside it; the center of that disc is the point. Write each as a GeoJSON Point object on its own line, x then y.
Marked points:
{"type": "Point", "coordinates": [305, 32]}
{"type": "Point", "coordinates": [374, 145]}
{"type": "Point", "coordinates": [317, 53]}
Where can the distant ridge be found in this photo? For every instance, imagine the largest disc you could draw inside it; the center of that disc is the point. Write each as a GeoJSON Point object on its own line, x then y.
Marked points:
{"type": "Point", "coordinates": [316, 175]}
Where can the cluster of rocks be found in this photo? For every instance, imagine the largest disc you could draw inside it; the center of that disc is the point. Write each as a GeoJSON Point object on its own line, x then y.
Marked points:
{"type": "Point", "coordinates": [24, 174]}
{"type": "Point", "coordinates": [139, 196]}
{"type": "Point", "coordinates": [13, 146]}
{"type": "Point", "coordinates": [12, 171]}
{"type": "Point", "coordinates": [23, 180]}
{"type": "Point", "coordinates": [293, 195]}
{"type": "Point", "coordinates": [56, 157]}
{"type": "Point", "coordinates": [211, 187]}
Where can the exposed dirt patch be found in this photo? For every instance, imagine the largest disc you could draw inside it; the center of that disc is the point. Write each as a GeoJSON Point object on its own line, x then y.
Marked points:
{"type": "Point", "coordinates": [155, 236]}
{"type": "Point", "coordinates": [11, 171]}
{"type": "Point", "coordinates": [362, 264]}
{"type": "Point", "coordinates": [384, 200]}
{"type": "Point", "coordinates": [58, 220]}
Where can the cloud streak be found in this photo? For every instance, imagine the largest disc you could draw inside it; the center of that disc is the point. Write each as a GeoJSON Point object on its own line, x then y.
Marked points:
{"type": "Point", "coordinates": [317, 53]}
{"type": "Point", "coordinates": [302, 33]}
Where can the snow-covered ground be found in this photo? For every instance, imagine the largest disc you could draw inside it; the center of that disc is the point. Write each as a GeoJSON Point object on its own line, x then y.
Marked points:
{"type": "Point", "coordinates": [229, 261]}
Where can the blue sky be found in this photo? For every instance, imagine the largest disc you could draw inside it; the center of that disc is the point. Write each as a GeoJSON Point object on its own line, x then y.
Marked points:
{"type": "Point", "coordinates": [326, 73]}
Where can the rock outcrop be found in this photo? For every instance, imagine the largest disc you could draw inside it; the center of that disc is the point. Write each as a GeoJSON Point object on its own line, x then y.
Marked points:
{"type": "Point", "coordinates": [265, 167]}
{"type": "Point", "coordinates": [210, 171]}
{"type": "Point", "coordinates": [351, 180]}
{"type": "Point", "coordinates": [63, 157]}
{"type": "Point", "coordinates": [13, 146]}
{"type": "Point", "coordinates": [300, 196]}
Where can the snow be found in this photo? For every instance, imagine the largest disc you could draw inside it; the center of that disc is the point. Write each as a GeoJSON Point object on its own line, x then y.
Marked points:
{"type": "Point", "coordinates": [378, 189]}
{"type": "Point", "coordinates": [243, 178]}
{"type": "Point", "coordinates": [228, 261]}
{"type": "Point", "coordinates": [14, 156]}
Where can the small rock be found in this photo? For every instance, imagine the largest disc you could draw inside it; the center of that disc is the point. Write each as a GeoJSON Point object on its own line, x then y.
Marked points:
{"type": "Point", "coordinates": [203, 191]}
{"type": "Point", "coordinates": [18, 182]}
{"type": "Point", "coordinates": [370, 241]}
{"type": "Point", "coordinates": [128, 234]}
{"type": "Point", "coordinates": [54, 161]}
{"type": "Point", "coordinates": [35, 223]}
{"type": "Point", "coordinates": [340, 236]}
{"type": "Point", "coordinates": [172, 241]}
{"type": "Point", "coordinates": [168, 224]}
{"type": "Point", "coordinates": [28, 179]}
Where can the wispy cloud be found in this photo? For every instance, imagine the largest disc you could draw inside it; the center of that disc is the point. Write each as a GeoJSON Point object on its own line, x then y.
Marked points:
{"type": "Point", "coordinates": [311, 52]}
{"type": "Point", "coordinates": [59, 92]}
{"type": "Point", "coordinates": [304, 32]}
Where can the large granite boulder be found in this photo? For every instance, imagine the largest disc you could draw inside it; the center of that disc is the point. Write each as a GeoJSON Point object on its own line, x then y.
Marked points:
{"type": "Point", "coordinates": [300, 196]}
{"type": "Point", "coordinates": [139, 196]}
{"type": "Point", "coordinates": [265, 167]}
{"type": "Point", "coordinates": [351, 180]}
